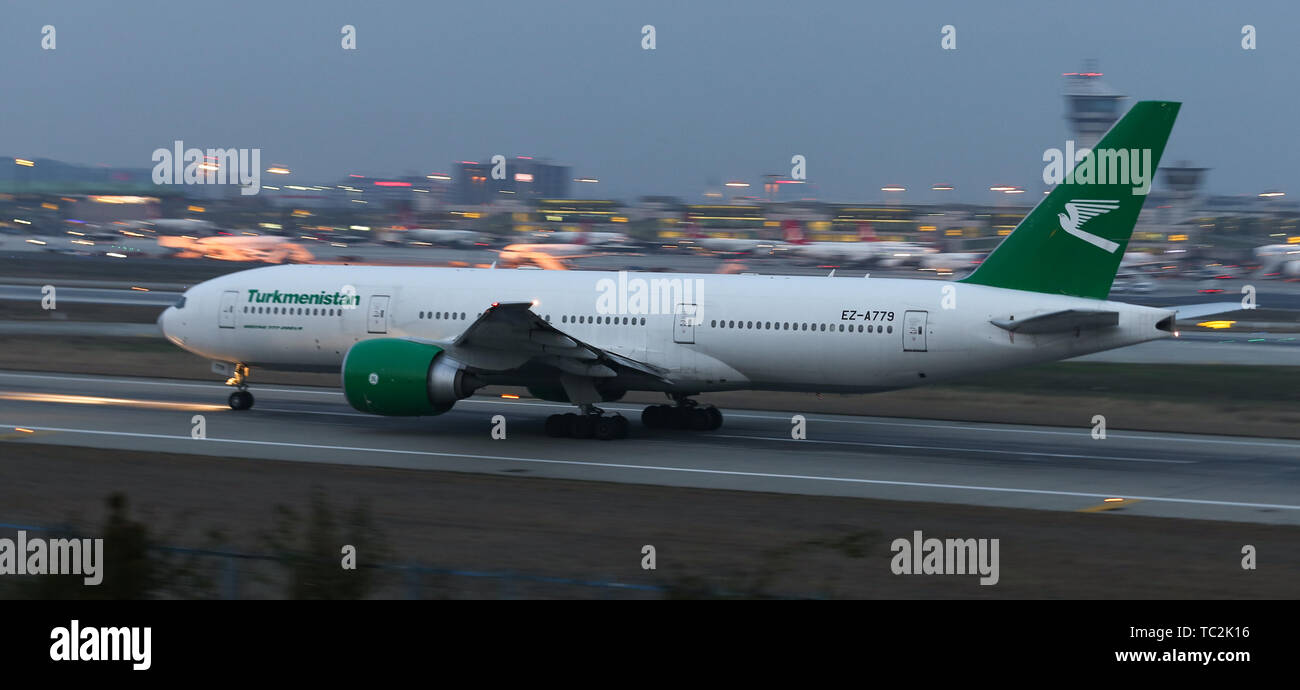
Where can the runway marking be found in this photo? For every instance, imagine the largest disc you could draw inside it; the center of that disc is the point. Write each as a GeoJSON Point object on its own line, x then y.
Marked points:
{"type": "Point", "coordinates": [961, 450]}
{"type": "Point", "coordinates": [1109, 505]}
{"type": "Point", "coordinates": [686, 470]}
{"type": "Point", "coordinates": [992, 427]}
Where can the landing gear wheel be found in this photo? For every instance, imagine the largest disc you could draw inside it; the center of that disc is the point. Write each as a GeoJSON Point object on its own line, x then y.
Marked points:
{"type": "Point", "coordinates": [606, 428]}
{"type": "Point", "coordinates": [697, 418]}
{"type": "Point", "coordinates": [654, 417]}
{"type": "Point", "coordinates": [686, 415]}
{"type": "Point", "coordinates": [715, 418]}
{"type": "Point", "coordinates": [240, 400]}
{"type": "Point", "coordinates": [582, 425]}
{"type": "Point", "coordinates": [557, 426]}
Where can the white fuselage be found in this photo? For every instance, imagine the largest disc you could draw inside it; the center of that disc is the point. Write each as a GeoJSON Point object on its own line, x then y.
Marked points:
{"type": "Point", "coordinates": [750, 331]}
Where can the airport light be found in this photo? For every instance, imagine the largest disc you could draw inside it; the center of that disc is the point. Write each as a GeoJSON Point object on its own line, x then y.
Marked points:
{"type": "Point", "coordinates": [441, 177]}
{"type": "Point", "coordinates": [737, 184]}
{"type": "Point", "coordinates": [1001, 188]}
{"type": "Point", "coordinates": [942, 187]}
{"type": "Point", "coordinates": [1013, 190]}
{"type": "Point", "coordinates": [590, 180]}
{"type": "Point", "coordinates": [24, 162]}
{"type": "Point", "coordinates": [278, 170]}
{"type": "Point", "coordinates": [893, 188]}
{"type": "Point", "coordinates": [1269, 195]}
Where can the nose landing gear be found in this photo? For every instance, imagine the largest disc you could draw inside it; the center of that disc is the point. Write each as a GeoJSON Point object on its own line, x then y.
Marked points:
{"type": "Point", "coordinates": [241, 399]}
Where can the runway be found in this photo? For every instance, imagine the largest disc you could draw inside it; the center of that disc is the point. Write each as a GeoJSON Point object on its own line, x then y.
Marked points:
{"type": "Point", "coordinates": [1157, 474]}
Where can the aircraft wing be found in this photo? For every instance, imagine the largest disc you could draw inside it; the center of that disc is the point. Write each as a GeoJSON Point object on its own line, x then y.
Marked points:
{"type": "Point", "coordinates": [1060, 321]}
{"type": "Point", "coordinates": [509, 335]}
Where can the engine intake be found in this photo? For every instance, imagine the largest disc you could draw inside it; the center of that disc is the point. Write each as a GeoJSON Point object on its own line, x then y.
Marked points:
{"type": "Point", "coordinates": [403, 378]}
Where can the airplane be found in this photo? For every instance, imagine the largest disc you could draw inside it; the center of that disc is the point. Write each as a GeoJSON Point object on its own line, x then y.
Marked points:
{"type": "Point", "coordinates": [273, 250]}
{"type": "Point", "coordinates": [552, 257]}
{"type": "Point", "coordinates": [868, 250]}
{"type": "Point", "coordinates": [412, 341]}
{"type": "Point", "coordinates": [729, 245]}
{"type": "Point", "coordinates": [450, 238]}
{"type": "Point", "coordinates": [1279, 259]}
{"type": "Point", "coordinates": [588, 238]}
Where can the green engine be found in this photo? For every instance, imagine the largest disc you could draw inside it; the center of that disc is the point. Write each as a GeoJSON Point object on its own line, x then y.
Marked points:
{"type": "Point", "coordinates": [402, 378]}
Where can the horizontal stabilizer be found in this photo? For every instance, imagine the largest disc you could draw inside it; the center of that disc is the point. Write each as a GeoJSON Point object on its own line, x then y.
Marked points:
{"type": "Point", "coordinates": [1196, 311]}
{"type": "Point", "coordinates": [1060, 321]}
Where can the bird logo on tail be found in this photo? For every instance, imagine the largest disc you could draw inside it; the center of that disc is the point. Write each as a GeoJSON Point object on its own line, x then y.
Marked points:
{"type": "Point", "coordinates": [1079, 212]}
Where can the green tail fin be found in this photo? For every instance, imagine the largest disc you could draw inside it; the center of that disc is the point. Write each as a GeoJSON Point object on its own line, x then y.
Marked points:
{"type": "Point", "coordinates": [1073, 240]}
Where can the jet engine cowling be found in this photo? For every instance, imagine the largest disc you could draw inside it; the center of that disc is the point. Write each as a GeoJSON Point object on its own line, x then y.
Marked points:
{"type": "Point", "coordinates": [404, 378]}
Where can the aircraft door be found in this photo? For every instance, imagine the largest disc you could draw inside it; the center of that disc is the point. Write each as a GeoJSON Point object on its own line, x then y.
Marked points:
{"type": "Point", "coordinates": [684, 330]}
{"type": "Point", "coordinates": [226, 310]}
{"type": "Point", "coordinates": [914, 323]}
{"type": "Point", "coordinates": [377, 315]}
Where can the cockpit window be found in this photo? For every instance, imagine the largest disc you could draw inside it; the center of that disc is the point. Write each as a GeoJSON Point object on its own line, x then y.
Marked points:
{"type": "Point", "coordinates": [180, 303]}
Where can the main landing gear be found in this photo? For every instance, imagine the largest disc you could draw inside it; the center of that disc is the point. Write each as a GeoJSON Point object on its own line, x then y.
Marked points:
{"type": "Point", "coordinates": [686, 414]}
{"type": "Point", "coordinates": [590, 422]}
{"type": "Point", "coordinates": [241, 399]}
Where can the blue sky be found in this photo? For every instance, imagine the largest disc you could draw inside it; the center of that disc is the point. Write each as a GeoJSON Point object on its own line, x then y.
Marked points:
{"type": "Point", "coordinates": [732, 91]}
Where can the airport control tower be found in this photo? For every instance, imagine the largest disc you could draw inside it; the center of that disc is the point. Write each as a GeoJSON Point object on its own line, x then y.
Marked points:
{"type": "Point", "coordinates": [1091, 106]}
